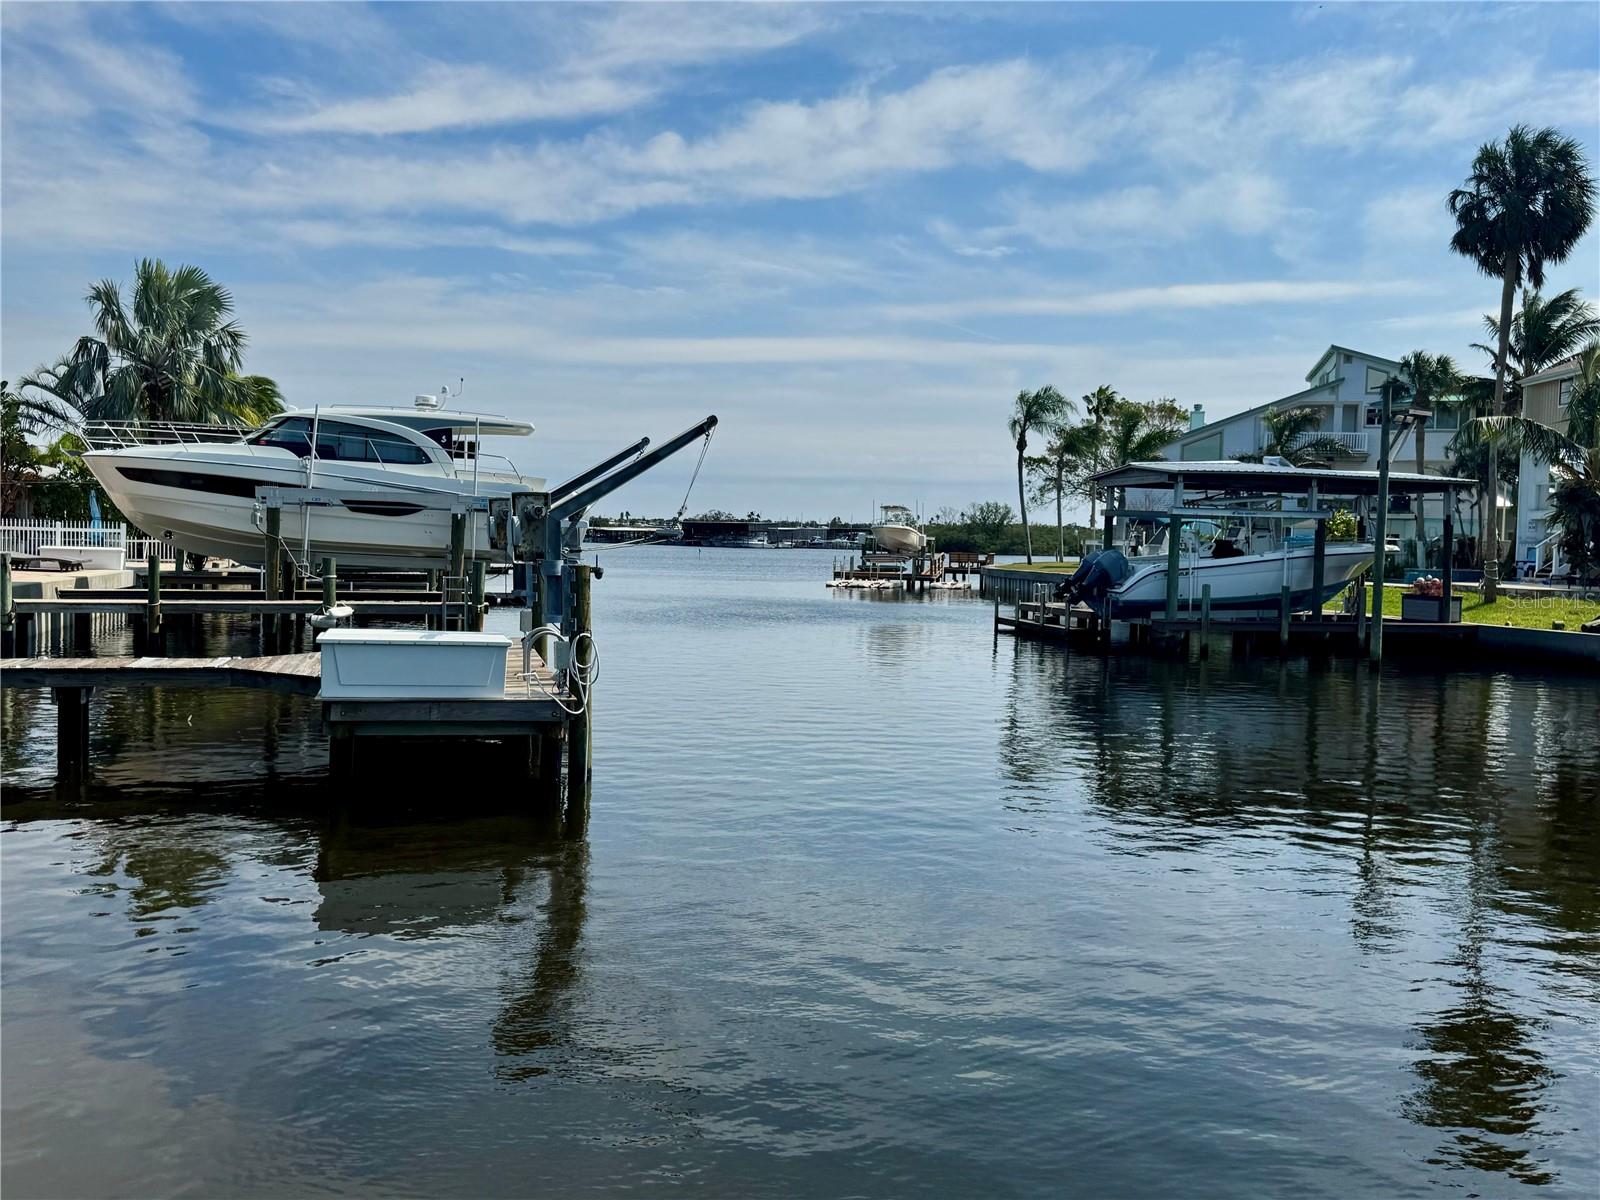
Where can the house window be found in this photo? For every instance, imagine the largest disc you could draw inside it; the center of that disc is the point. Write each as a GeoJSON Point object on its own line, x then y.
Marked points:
{"type": "Point", "coordinates": [1445, 418]}
{"type": "Point", "coordinates": [1348, 359]}
{"type": "Point", "coordinates": [1347, 418]}
{"type": "Point", "coordinates": [1375, 379]}
{"type": "Point", "coordinates": [1564, 398]}
{"type": "Point", "coordinates": [1325, 378]}
{"type": "Point", "coordinates": [1374, 415]}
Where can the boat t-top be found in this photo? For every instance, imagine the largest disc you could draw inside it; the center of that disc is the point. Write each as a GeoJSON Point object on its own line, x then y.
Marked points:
{"type": "Point", "coordinates": [387, 480]}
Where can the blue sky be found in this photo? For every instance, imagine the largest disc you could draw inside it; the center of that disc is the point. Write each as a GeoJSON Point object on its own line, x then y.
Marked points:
{"type": "Point", "coordinates": [854, 232]}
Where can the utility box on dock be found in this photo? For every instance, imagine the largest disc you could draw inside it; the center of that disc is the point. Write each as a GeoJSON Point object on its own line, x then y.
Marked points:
{"type": "Point", "coordinates": [402, 664]}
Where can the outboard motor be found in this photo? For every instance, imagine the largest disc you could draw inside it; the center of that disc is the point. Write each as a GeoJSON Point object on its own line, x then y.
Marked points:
{"type": "Point", "coordinates": [1096, 575]}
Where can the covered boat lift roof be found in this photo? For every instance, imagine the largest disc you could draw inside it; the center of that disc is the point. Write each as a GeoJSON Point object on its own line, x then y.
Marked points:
{"type": "Point", "coordinates": [1267, 479]}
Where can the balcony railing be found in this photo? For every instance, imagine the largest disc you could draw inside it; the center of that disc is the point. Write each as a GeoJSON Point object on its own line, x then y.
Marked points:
{"type": "Point", "coordinates": [1356, 444]}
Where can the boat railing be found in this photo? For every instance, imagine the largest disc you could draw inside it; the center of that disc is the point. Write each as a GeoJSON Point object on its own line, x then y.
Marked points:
{"type": "Point", "coordinates": [120, 435]}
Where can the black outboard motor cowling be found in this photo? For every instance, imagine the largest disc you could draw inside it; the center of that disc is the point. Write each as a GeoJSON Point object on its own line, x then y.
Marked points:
{"type": "Point", "coordinates": [1096, 575]}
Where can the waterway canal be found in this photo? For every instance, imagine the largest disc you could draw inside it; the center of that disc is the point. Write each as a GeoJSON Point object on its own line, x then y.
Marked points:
{"type": "Point", "coordinates": [869, 905]}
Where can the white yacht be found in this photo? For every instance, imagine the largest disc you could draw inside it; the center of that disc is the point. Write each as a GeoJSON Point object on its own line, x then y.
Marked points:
{"type": "Point", "coordinates": [391, 471]}
{"type": "Point", "coordinates": [897, 531]}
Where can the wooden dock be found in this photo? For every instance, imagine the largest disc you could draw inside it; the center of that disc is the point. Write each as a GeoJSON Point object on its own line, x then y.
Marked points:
{"type": "Point", "coordinates": [531, 711]}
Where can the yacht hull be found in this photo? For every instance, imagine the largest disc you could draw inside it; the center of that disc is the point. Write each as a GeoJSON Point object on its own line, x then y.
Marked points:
{"type": "Point", "coordinates": [207, 502]}
{"type": "Point", "coordinates": [1253, 582]}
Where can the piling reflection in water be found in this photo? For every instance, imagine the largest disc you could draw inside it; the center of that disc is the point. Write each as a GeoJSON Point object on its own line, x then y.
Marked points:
{"type": "Point", "coordinates": [1409, 797]}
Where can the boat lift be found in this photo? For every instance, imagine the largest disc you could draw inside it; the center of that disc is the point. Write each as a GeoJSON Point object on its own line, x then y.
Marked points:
{"type": "Point", "coordinates": [542, 533]}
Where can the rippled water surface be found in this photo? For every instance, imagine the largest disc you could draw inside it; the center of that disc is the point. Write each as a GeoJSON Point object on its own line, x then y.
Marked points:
{"type": "Point", "coordinates": [869, 904]}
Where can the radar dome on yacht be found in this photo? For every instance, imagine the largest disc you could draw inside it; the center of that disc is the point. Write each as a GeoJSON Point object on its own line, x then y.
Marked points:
{"type": "Point", "coordinates": [425, 401]}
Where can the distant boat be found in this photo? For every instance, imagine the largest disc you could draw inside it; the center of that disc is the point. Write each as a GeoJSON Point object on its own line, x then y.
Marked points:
{"type": "Point", "coordinates": [897, 532]}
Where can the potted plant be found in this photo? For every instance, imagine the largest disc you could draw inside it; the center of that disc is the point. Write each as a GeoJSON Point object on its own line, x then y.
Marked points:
{"type": "Point", "coordinates": [1425, 602]}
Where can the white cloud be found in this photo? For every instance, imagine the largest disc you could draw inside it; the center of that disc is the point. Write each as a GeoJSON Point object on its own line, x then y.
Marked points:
{"type": "Point", "coordinates": [1167, 298]}
{"type": "Point", "coordinates": [1245, 203]}
{"type": "Point", "coordinates": [458, 97]}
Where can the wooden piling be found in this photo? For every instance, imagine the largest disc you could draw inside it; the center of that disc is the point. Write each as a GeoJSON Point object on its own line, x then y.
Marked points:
{"type": "Point", "coordinates": [480, 587]}
{"type": "Point", "coordinates": [8, 612]}
{"type": "Point", "coordinates": [1205, 620]}
{"type": "Point", "coordinates": [1447, 556]}
{"type": "Point", "coordinates": [272, 576]}
{"type": "Point", "coordinates": [153, 631]}
{"type": "Point", "coordinates": [72, 733]}
{"type": "Point", "coordinates": [455, 584]}
{"type": "Point", "coordinates": [1380, 523]}
{"type": "Point", "coordinates": [330, 582]}
{"type": "Point", "coordinates": [578, 754]}
{"type": "Point", "coordinates": [1284, 605]}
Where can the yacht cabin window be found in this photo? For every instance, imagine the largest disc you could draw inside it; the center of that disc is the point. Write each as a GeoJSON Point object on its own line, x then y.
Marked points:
{"type": "Point", "coordinates": [342, 441]}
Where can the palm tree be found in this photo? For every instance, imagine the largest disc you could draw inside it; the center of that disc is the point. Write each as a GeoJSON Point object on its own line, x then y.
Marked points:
{"type": "Point", "coordinates": [1573, 458]}
{"type": "Point", "coordinates": [173, 357]}
{"type": "Point", "coordinates": [1286, 430]}
{"type": "Point", "coordinates": [1099, 404]}
{"type": "Point", "coordinates": [1433, 378]}
{"type": "Point", "coordinates": [1525, 203]}
{"type": "Point", "coordinates": [1543, 332]}
{"type": "Point", "coordinates": [1139, 432]}
{"type": "Point", "coordinates": [37, 404]}
{"type": "Point", "coordinates": [1067, 458]}
{"type": "Point", "coordinates": [1033, 412]}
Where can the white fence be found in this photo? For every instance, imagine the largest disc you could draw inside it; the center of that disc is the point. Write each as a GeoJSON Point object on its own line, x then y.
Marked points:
{"type": "Point", "coordinates": [30, 535]}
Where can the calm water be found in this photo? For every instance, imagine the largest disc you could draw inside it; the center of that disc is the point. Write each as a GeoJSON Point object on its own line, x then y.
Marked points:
{"type": "Point", "coordinates": [868, 905]}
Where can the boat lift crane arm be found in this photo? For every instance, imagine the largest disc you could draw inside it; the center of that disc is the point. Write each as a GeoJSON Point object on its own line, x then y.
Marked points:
{"type": "Point", "coordinates": [567, 500]}
{"type": "Point", "coordinates": [536, 531]}
{"type": "Point", "coordinates": [599, 469]}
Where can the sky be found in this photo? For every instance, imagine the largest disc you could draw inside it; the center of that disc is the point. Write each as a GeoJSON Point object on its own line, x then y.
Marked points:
{"type": "Point", "coordinates": [853, 232]}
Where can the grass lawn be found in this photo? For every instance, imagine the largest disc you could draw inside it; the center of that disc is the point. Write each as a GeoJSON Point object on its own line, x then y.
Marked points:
{"type": "Point", "coordinates": [1533, 612]}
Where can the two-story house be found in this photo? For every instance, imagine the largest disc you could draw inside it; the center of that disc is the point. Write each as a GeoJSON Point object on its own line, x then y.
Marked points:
{"type": "Point", "coordinates": [1545, 397]}
{"type": "Point", "coordinates": [1344, 389]}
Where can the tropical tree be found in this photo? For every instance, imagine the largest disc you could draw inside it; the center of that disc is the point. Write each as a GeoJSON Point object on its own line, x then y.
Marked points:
{"type": "Point", "coordinates": [31, 408]}
{"type": "Point", "coordinates": [1286, 430]}
{"type": "Point", "coordinates": [1434, 379]}
{"type": "Point", "coordinates": [1138, 431]}
{"type": "Point", "coordinates": [1543, 332]}
{"type": "Point", "coordinates": [988, 520]}
{"type": "Point", "coordinates": [1033, 412]}
{"type": "Point", "coordinates": [169, 354]}
{"type": "Point", "coordinates": [1058, 472]}
{"type": "Point", "coordinates": [1525, 203]}
{"type": "Point", "coordinates": [1573, 457]}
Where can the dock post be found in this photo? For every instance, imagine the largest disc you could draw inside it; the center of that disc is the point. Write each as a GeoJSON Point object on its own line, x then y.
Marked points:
{"type": "Point", "coordinates": [578, 756]}
{"type": "Point", "coordinates": [82, 634]}
{"type": "Point", "coordinates": [153, 631]}
{"type": "Point", "coordinates": [1319, 555]}
{"type": "Point", "coordinates": [1284, 605]}
{"type": "Point", "coordinates": [1205, 620]}
{"type": "Point", "coordinates": [1174, 549]}
{"type": "Point", "coordinates": [1110, 518]}
{"type": "Point", "coordinates": [272, 576]}
{"type": "Point", "coordinates": [330, 582]}
{"type": "Point", "coordinates": [1380, 521]}
{"type": "Point", "coordinates": [455, 583]}
{"type": "Point", "coordinates": [1447, 555]}
{"type": "Point", "coordinates": [341, 752]}
{"type": "Point", "coordinates": [480, 584]}
{"type": "Point", "coordinates": [72, 733]}
{"type": "Point", "coordinates": [8, 610]}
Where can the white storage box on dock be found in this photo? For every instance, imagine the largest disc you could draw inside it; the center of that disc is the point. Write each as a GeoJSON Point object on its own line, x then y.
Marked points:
{"type": "Point", "coordinates": [404, 664]}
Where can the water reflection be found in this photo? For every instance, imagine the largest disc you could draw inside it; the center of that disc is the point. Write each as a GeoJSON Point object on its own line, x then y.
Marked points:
{"type": "Point", "coordinates": [1404, 779]}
